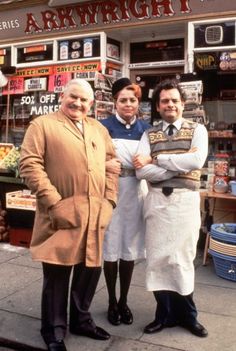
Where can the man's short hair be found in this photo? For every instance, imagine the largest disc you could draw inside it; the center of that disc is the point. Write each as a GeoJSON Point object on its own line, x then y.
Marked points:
{"type": "Point", "coordinates": [82, 83]}
{"type": "Point", "coordinates": [166, 84]}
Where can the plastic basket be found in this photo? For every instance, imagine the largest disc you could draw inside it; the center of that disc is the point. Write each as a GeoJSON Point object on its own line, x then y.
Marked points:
{"type": "Point", "coordinates": [219, 232]}
{"type": "Point", "coordinates": [225, 266]}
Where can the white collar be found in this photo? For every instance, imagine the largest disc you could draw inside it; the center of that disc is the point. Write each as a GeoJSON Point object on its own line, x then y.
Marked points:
{"type": "Point", "coordinates": [177, 124]}
{"type": "Point", "coordinates": [127, 125]}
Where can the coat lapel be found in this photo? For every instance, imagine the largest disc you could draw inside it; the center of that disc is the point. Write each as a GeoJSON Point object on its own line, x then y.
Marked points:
{"type": "Point", "coordinates": [69, 125]}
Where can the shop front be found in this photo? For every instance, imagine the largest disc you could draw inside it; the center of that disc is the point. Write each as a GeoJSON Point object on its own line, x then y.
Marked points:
{"type": "Point", "coordinates": [43, 44]}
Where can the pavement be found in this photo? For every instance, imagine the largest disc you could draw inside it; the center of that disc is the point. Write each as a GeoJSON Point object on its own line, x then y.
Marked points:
{"type": "Point", "coordinates": [20, 294]}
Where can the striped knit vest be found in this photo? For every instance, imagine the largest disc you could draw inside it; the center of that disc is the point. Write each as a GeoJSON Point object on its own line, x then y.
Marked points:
{"type": "Point", "coordinates": [161, 143]}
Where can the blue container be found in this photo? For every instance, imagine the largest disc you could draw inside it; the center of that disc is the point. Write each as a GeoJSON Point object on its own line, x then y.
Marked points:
{"type": "Point", "coordinates": [225, 266]}
{"type": "Point", "coordinates": [224, 232]}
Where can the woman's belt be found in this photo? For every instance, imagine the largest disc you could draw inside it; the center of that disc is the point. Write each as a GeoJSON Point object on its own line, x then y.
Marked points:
{"type": "Point", "coordinates": [127, 172]}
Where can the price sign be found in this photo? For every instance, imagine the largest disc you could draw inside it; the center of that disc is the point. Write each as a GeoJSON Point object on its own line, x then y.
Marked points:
{"type": "Point", "coordinates": [58, 81]}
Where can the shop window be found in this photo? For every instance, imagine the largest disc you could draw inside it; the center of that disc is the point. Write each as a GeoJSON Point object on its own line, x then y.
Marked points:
{"type": "Point", "coordinates": [214, 34]}
{"type": "Point", "coordinates": [218, 72]}
{"type": "Point", "coordinates": [78, 48]}
{"type": "Point", "coordinates": [154, 51]}
{"type": "Point", "coordinates": [22, 108]}
{"type": "Point", "coordinates": [35, 53]}
{"type": "Point", "coordinates": [5, 57]}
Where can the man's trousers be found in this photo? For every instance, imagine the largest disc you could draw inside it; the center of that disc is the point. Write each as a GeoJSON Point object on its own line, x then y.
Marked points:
{"type": "Point", "coordinates": [56, 282]}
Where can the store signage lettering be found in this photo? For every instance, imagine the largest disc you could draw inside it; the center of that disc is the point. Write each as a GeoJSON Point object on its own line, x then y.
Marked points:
{"type": "Point", "coordinates": [45, 105]}
{"type": "Point", "coordinates": [157, 64]}
{"type": "Point", "coordinates": [58, 81]}
{"type": "Point", "coordinates": [35, 84]}
{"type": "Point", "coordinates": [109, 11]}
{"type": "Point", "coordinates": [35, 71]}
{"type": "Point", "coordinates": [12, 24]}
{"type": "Point", "coordinates": [77, 68]}
{"type": "Point", "coordinates": [46, 71]}
{"type": "Point", "coordinates": [206, 62]}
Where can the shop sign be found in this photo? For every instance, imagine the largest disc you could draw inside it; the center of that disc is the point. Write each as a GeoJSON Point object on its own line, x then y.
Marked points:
{"type": "Point", "coordinates": [58, 81]}
{"type": "Point", "coordinates": [228, 61]}
{"type": "Point", "coordinates": [58, 69]}
{"type": "Point", "coordinates": [103, 12]}
{"type": "Point", "coordinates": [37, 71]}
{"type": "Point", "coordinates": [46, 103]}
{"type": "Point", "coordinates": [82, 67]}
{"type": "Point", "coordinates": [36, 84]}
{"type": "Point", "coordinates": [15, 86]}
{"type": "Point", "coordinates": [37, 48]}
{"type": "Point", "coordinates": [206, 61]}
{"type": "Point", "coordinates": [85, 75]}
{"type": "Point", "coordinates": [42, 19]}
{"type": "Point", "coordinates": [157, 64]}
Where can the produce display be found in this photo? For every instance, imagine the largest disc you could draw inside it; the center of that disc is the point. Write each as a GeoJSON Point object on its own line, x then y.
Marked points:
{"type": "Point", "coordinates": [11, 160]}
{"type": "Point", "coordinates": [4, 151]}
{"type": "Point", "coordinates": [4, 228]}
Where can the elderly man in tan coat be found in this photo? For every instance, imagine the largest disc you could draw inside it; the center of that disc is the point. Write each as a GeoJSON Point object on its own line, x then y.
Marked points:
{"type": "Point", "coordinates": [63, 162]}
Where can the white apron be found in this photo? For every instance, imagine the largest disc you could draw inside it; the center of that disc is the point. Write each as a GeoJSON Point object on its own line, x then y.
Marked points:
{"type": "Point", "coordinates": [172, 231]}
{"type": "Point", "coordinates": [124, 237]}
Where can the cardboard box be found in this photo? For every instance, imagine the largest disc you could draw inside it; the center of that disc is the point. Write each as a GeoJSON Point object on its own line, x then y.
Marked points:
{"type": "Point", "coordinates": [21, 199]}
{"type": "Point", "coordinates": [20, 236]}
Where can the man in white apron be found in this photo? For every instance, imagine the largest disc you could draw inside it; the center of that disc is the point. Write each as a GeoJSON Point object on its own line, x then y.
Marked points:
{"type": "Point", "coordinates": [170, 156]}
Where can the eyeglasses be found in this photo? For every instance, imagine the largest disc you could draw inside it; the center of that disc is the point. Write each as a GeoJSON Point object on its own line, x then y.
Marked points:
{"type": "Point", "coordinates": [166, 101]}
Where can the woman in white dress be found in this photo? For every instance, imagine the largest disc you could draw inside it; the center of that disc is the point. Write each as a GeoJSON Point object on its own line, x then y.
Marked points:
{"type": "Point", "coordinates": [124, 239]}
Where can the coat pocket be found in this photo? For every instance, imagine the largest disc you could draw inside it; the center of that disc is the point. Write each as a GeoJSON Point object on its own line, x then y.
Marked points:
{"type": "Point", "coordinates": [63, 214]}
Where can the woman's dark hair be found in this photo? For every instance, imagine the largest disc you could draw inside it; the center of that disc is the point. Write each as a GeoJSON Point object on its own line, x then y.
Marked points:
{"type": "Point", "coordinates": [166, 84]}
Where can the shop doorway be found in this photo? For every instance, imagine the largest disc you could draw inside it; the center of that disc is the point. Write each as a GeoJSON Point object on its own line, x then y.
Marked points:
{"type": "Point", "coordinates": [148, 79]}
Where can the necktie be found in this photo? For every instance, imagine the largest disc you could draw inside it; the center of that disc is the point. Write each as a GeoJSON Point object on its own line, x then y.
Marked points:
{"type": "Point", "coordinates": [171, 129]}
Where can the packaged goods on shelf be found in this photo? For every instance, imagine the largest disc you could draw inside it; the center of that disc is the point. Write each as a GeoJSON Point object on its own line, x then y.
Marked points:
{"type": "Point", "coordinates": [21, 199]}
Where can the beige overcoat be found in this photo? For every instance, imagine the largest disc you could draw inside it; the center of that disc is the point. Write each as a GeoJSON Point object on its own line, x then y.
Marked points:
{"type": "Point", "coordinates": [66, 171]}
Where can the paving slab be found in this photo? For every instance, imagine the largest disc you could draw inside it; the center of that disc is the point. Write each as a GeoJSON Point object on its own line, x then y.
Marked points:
{"type": "Point", "coordinates": [221, 337]}
{"type": "Point", "coordinates": [15, 278]}
{"type": "Point", "coordinates": [20, 299]}
{"type": "Point", "coordinates": [24, 302]}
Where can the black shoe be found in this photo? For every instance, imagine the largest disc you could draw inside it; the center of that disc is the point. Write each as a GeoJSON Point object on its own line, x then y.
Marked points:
{"type": "Point", "coordinates": [153, 327]}
{"type": "Point", "coordinates": [196, 329]}
{"type": "Point", "coordinates": [126, 315]}
{"type": "Point", "coordinates": [57, 346]}
{"type": "Point", "coordinates": [113, 316]}
{"type": "Point", "coordinates": [96, 333]}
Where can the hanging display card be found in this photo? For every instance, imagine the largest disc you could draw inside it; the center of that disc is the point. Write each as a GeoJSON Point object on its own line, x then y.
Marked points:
{"type": "Point", "coordinates": [36, 84]}
{"type": "Point", "coordinates": [58, 81]}
{"type": "Point", "coordinates": [15, 86]}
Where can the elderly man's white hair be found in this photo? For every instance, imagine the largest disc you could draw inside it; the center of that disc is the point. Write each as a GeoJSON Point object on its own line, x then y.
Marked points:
{"type": "Point", "coordinates": [83, 84]}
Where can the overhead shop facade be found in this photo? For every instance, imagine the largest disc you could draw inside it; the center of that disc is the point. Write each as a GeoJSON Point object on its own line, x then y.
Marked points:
{"type": "Point", "coordinates": [43, 44]}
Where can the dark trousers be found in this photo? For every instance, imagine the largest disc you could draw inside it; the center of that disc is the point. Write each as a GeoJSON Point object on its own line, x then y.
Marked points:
{"type": "Point", "coordinates": [173, 308]}
{"type": "Point", "coordinates": [56, 279]}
